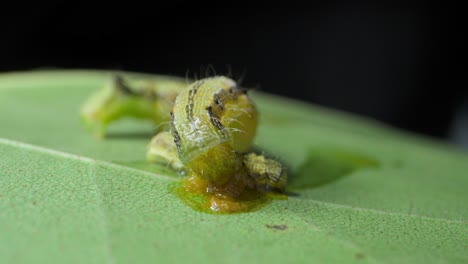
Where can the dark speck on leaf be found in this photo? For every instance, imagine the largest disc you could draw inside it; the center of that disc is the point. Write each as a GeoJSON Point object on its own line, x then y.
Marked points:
{"type": "Point", "coordinates": [277, 227]}
{"type": "Point", "coordinates": [360, 256]}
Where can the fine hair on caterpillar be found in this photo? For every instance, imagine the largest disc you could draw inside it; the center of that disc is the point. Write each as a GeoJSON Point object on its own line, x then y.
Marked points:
{"type": "Point", "coordinates": [162, 124]}
{"type": "Point", "coordinates": [209, 70]}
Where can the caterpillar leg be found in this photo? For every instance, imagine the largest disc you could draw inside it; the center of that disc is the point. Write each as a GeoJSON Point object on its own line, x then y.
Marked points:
{"type": "Point", "coordinates": [268, 174]}
{"type": "Point", "coordinates": [163, 150]}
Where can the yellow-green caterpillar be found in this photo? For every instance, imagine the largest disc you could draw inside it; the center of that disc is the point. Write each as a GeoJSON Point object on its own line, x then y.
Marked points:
{"type": "Point", "coordinates": [213, 123]}
{"type": "Point", "coordinates": [146, 99]}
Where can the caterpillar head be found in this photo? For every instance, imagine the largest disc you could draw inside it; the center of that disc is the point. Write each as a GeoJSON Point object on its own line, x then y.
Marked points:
{"type": "Point", "coordinates": [212, 122]}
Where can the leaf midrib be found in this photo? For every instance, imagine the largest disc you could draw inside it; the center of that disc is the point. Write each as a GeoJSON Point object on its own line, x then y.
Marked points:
{"type": "Point", "coordinates": [79, 158]}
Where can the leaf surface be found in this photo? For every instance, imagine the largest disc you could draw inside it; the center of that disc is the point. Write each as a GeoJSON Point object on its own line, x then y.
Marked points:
{"type": "Point", "coordinates": [360, 192]}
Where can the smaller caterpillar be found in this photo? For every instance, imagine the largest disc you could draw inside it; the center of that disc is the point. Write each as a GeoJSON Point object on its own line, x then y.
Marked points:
{"type": "Point", "coordinates": [145, 99]}
{"type": "Point", "coordinates": [213, 123]}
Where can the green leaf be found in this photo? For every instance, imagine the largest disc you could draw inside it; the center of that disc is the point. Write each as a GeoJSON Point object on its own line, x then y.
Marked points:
{"type": "Point", "coordinates": [359, 191]}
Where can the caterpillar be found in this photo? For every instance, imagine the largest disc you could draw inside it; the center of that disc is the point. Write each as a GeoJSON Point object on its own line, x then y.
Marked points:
{"type": "Point", "coordinates": [213, 123]}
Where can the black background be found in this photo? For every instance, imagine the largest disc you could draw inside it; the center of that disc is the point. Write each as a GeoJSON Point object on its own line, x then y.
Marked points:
{"type": "Point", "coordinates": [385, 61]}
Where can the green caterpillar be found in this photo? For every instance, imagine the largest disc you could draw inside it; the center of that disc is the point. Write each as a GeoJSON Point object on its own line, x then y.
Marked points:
{"type": "Point", "coordinates": [141, 98]}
